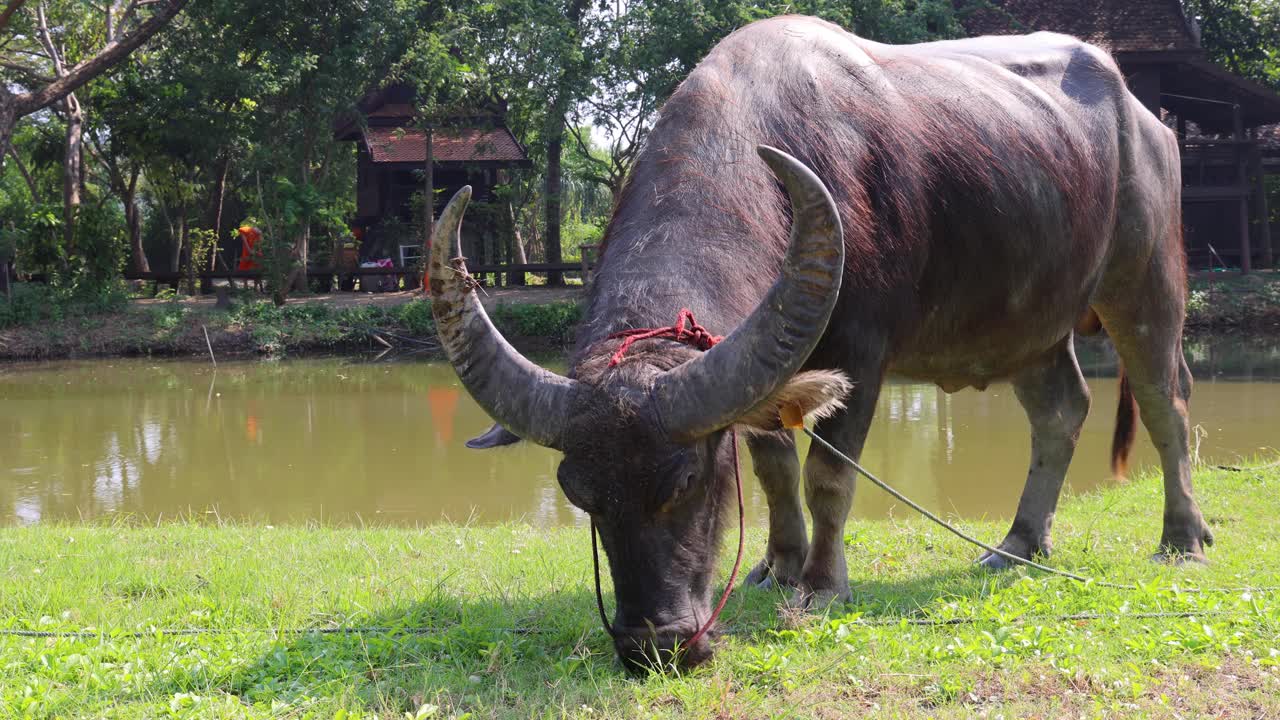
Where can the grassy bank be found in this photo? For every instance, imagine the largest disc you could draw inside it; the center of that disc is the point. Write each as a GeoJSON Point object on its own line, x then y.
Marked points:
{"type": "Point", "coordinates": [500, 622]}
{"type": "Point", "coordinates": [48, 330]}
{"type": "Point", "coordinates": [39, 324]}
{"type": "Point", "coordinates": [1231, 300]}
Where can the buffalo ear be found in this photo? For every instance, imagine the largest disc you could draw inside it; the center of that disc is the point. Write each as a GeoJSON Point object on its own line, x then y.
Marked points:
{"type": "Point", "coordinates": [496, 436]}
{"type": "Point", "coordinates": [818, 394]}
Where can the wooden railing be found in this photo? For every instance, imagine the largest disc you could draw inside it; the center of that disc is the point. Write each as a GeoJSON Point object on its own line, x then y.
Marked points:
{"type": "Point", "coordinates": [174, 278]}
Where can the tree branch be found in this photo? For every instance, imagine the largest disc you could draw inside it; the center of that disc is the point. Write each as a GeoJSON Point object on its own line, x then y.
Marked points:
{"type": "Point", "coordinates": [9, 10]}
{"type": "Point", "coordinates": [46, 39]}
{"type": "Point", "coordinates": [31, 183]}
{"type": "Point", "coordinates": [109, 55]}
{"type": "Point", "coordinates": [27, 74]}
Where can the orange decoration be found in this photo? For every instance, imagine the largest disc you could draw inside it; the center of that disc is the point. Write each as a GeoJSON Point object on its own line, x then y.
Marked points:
{"type": "Point", "coordinates": [792, 416]}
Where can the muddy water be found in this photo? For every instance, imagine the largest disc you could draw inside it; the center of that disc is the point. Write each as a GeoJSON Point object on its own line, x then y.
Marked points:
{"type": "Point", "coordinates": [342, 441]}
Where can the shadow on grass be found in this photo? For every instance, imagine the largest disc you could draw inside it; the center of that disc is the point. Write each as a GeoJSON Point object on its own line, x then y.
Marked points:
{"type": "Point", "coordinates": [446, 651]}
{"type": "Point", "coordinates": [514, 653]}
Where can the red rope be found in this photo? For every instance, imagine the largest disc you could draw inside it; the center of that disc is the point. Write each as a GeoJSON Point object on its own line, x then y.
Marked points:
{"type": "Point", "coordinates": [697, 336]}
{"type": "Point", "coordinates": [694, 335]}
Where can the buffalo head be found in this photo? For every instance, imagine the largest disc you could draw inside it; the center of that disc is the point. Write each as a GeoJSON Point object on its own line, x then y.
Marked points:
{"type": "Point", "coordinates": [646, 452]}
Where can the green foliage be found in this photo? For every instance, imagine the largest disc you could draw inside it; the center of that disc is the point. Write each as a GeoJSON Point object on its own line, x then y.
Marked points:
{"type": "Point", "coordinates": [552, 320]}
{"type": "Point", "coordinates": [576, 233]}
{"type": "Point", "coordinates": [1228, 299]}
{"type": "Point", "coordinates": [416, 317]}
{"type": "Point", "coordinates": [1242, 35]}
{"type": "Point", "coordinates": [101, 248]}
{"type": "Point", "coordinates": [39, 303]}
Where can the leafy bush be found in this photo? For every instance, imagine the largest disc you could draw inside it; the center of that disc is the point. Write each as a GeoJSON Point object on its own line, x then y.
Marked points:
{"type": "Point", "coordinates": [554, 320]}
{"type": "Point", "coordinates": [28, 306]}
{"type": "Point", "coordinates": [35, 303]}
{"type": "Point", "coordinates": [416, 317]}
{"type": "Point", "coordinates": [575, 233]}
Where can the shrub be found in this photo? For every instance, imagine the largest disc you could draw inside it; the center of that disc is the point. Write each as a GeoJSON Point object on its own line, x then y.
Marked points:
{"type": "Point", "coordinates": [34, 303]}
{"type": "Point", "coordinates": [416, 317]}
{"type": "Point", "coordinates": [554, 320]}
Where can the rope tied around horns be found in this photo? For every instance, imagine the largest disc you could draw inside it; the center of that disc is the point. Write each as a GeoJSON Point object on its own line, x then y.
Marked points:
{"type": "Point", "coordinates": [686, 330]}
{"type": "Point", "coordinates": [691, 334]}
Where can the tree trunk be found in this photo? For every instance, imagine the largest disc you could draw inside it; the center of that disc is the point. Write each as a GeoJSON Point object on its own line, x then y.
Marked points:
{"type": "Point", "coordinates": [5, 263]}
{"type": "Point", "coordinates": [517, 247]}
{"type": "Point", "coordinates": [178, 231]}
{"type": "Point", "coordinates": [219, 195]}
{"type": "Point", "coordinates": [7, 118]}
{"type": "Point", "coordinates": [297, 280]}
{"type": "Point", "coordinates": [555, 139]}
{"type": "Point", "coordinates": [133, 217]}
{"type": "Point", "coordinates": [298, 276]}
{"type": "Point", "coordinates": [189, 255]}
{"type": "Point", "coordinates": [72, 170]}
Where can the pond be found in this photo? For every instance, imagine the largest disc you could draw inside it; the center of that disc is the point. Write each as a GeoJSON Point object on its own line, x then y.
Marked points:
{"type": "Point", "coordinates": [348, 441]}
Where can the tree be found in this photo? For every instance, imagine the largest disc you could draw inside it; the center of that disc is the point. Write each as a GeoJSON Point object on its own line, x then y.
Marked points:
{"type": "Point", "coordinates": [43, 94]}
{"type": "Point", "coordinates": [638, 52]}
{"type": "Point", "coordinates": [538, 57]}
{"type": "Point", "coordinates": [1241, 35]}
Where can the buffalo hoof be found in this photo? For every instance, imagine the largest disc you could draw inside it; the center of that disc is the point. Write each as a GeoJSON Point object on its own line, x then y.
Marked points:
{"type": "Point", "coordinates": [772, 573]}
{"type": "Point", "coordinates": [1018, 547]}
{"type": "Point", "coordinates": [818, 599]}
{"type": "Point", "coordinates": [1179, 557]}
{"type": "Point", "coordinates": [1187, 546]}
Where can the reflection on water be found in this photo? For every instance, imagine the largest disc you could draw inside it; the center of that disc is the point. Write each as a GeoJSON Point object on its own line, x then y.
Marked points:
{"type": "Point", "coordinates": [347, 442]}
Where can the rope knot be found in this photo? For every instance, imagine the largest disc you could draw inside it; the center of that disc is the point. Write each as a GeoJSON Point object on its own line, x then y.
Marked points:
{"type": "Point", "coordinates": [685, 330]}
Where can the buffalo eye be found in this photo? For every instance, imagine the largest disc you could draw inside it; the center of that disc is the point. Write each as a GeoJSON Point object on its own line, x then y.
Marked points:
{"type": "Point", "coordinates": [683, 481]}
{"type": "Point", "coordinates": [682, 484]}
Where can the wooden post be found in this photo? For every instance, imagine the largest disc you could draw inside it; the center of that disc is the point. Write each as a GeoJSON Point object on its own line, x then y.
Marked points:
{"type": "Point", "coordinates": [428, 203]}
{"type": "Point", "coordinates": [1242, 181]}
{"type": "Point", "coordinates": [1260, 210]}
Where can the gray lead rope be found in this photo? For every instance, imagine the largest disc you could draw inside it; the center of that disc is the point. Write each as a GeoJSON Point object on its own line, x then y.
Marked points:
{"type": "Point", "coordinates": [995, 550]}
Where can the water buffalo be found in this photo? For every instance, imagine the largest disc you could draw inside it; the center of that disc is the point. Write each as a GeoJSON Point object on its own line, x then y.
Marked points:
{"type": "Point", "coordinates": [956, 211]}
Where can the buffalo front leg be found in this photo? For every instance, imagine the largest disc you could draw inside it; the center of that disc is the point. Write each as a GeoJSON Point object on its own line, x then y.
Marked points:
{"type": "Point", "coordinates": [828, 488]}
{"type": "Point", "coordinates": [777, 466]}
{"type": "Point", "coordinates": [1056, 400]}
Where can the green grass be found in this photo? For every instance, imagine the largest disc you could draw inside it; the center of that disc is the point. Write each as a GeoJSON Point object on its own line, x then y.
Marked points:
{"type": "Point", "coordinates": [505, 623]}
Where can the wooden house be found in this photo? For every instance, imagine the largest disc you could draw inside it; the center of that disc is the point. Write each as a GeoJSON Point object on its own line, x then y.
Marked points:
{"type": "Point", "coordinates": [1225, 123]}
{"type": "Point", "coordinates": [475, 149]}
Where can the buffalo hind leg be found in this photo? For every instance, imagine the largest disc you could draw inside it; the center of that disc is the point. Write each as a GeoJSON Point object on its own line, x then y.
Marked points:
{"type": "Point", "coordinates": [828, 487]}
{"type": "Point", "coordinates": [1147, 331]}
{"type": "Point", "coordinates": [1161, 383]}
{"type": "Point", "coordinates": [1056, 400]}
{"type": "Point", "coordinates": [778, 467]}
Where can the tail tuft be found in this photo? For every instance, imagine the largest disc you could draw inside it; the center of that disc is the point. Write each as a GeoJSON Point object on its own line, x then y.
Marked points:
{"type": "Point", "coordinates": [1126, 428]}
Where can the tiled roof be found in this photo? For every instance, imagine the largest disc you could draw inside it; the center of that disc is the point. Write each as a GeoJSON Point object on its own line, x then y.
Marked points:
{"type": "Point", "coordinates": [1117, 25]}
{"type": "Point", "coordinates": [396, 145]}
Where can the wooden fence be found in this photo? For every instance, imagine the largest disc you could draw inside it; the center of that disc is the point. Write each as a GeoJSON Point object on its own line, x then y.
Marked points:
{"type": "Point", "coordinates": [347, 277]}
